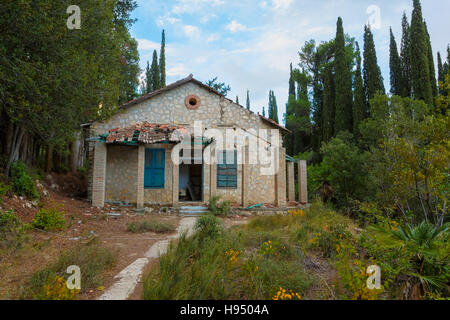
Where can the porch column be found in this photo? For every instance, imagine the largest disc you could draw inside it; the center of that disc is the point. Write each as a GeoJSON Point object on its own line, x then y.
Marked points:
{"type": "Point", "coordinates": [280, 179]}
{"type": "Point", "coordinates": [140, 177]}
{"type": "Point", "coordinates": [245, 176]}
{"type": "Point", "coordinates": [302, 182]}
{"type": "Point", "coordinates": [213, 172]}
{"type": "Point", "coordinates": [291, 181]}
{"type": "Point", "coordinates": [99, 175]}
{"type": "Point", "coordinates": [175, 183]}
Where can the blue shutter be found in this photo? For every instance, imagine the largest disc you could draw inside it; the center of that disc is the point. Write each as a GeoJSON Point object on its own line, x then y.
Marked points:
{"type": "Point", "coordinates": [154, 168]}
{"type": "Point", "coordinates": [226, 171]}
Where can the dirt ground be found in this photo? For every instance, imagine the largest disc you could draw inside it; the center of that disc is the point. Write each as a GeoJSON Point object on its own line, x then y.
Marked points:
{"type": "Point", "coordinates": [84, 222]}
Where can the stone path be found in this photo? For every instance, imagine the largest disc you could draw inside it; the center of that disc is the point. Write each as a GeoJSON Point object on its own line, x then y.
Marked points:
{"type": "Point", "coordinates": [128, 278]}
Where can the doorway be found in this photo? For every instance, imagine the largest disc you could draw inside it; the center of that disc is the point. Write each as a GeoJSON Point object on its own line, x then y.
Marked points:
{"type": "Point", "coordinates": [191, 183]}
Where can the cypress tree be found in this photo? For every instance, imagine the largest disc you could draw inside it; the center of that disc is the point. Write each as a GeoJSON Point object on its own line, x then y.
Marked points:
{"type": "Point", "coordinates": [373, 80]}
{"type": "Point", "coordinates": [270, 106]}
{"type": "Point", "coordinates": [154, 73]}
{"type": "Point", "coordinates": [405, 54]}
{"type": "Point", "coordinates": [441, 74]}
{"type": "Point", "coordinates": [329, 105]}
{"type": "Point", "coordinates": [360, 111]}
{"type": "Point", "coordinates": [248, 100]}
{"type": "Point", "coordinates": [431, 63]}
{"type": "Point", "coordinates": [148, 79]}
{"type": "Point", "coordinates": [291, 83]}
{"type": "Point", "coordinates": [274, 108]}
{"type": "Point", "coordinates": [343, 82]}
{"type": "Point", "coordinates": [237, 100]}
{"type": "Point", "coordinates": [395, 67]}
{"type": "Point", "coordinates": [420, 70]}
{"type": "Point", "coordinates": [264, 112]}
{"type": "Point", "coordinates": [162, 60]}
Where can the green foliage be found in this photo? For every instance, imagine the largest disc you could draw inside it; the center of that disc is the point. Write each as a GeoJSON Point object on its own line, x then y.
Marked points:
{"type": "Point", "coordinates": [219, 209]}
{"type": "Point", "coordinates": [162, 60]}
{"type": "Point", "coordinates": [405, 54]}
{"type": "Point", "coordinates": [208, 227]}
{"type": "Point", "coordinates": [395, 67]}
{"type": "Point", "coordinates": [273, 107]}
{"type": "Point", "coordinates": [150, 226]}
{"type": "Point", "coordinates": [220, 87]}
{"type": "Point", "coordinates": [12, 231]}
{"type": "Point", "coordinates": [3, 190]}
{"type": "Point", "coordinates": [93, 260]}
{"type": "Point", "coordinates": [373, 80]}
{"type": "Point", "coordinates": [360, 111]}
{"type": "Point", "coordinates": [49, 219]}
{"type": "Point", "coordinates": [22, 182]}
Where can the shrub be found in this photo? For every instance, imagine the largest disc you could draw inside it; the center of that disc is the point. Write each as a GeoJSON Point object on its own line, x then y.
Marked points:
{"type": "Point", "coordinates": [222, 209]}
{"type": "Point", "coordinates": [50, 219]}
{"type": "Point", "coordinates": [93, 261]}
{"type": "Point", "coordinates": [208, 227]}
{"type": "Point", "coordinates": [11, 231]}
{"type": "Point", "coordinates": [151, 225]}
{"type": "Point", "coordinates": [3, 190]}
{"type": "Point", "coordinates": [22, 182]}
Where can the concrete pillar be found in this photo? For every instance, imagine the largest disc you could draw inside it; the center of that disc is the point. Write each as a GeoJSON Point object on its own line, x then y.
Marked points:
{"type": "Point", "coordinates": [206, 175]}
{"type": "Point", "coordinates": [280, 179]}
{"type": "Point", "coordinates": [99, 175]}
{"type": "Point", "coordinates": [213, 172]}
{"type": "Point", "coordinates": [175, 184]}
{"type": "Point", "coordinates": [302, 182]}
{"type": "Point", "coordinates": [291, 181]}
{"type": "Point", "coordinates": [140, 177]}
{"type": "Point", "coordinates": [245, 176]}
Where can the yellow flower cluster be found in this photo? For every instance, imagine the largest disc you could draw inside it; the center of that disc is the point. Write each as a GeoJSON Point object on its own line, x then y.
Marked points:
{"type": "Point", "coordinates": [267, 248]}
{"type": "Point", "coordinates": [297, 213]}
{"type": "Point", "coordinates": [233, 255]}
{"type": "Point", "coordinates": [56, 289]}
{"type": "Point", "coordinates": [284, 294]}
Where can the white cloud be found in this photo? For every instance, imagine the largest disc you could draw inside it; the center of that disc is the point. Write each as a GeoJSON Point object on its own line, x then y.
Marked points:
{"type": "Point", "coordinates": [212, 38]}
{"type": "Point", "coordinates": [281, 4]}
{"type": "Point", "coordinates": [191, 31]}
{"type": "Point", "coordinates": [165, 20]}
{"type": "Point", "coordinates": [144, 44]}
{"type": "Point", "coordinates": [235, 26]}
{"type": "Point", "coordinates": [191, 6]}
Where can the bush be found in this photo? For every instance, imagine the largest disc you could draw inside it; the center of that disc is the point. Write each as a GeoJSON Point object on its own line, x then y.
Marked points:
{"type": "Point", "coordinates": [22, 182]}
{"type": "Point", "coordinates": [151, 225]}
{"type": "Point", "coordinates": [222, 209]}
{"type": "Point", "coordinates": [12, 231]}
{"type": "Point", "coordinates": [50, 219]}
{"type": "Point", "coordinates": [3, 190]}
{"type": "Point", "coordinates": [93, 261]}
{"type": "Point", "coordinates": [208, 227]}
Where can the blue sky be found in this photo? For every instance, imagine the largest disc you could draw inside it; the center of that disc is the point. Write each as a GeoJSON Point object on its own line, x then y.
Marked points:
{"type": "Point", "coordinates": [249, 44]}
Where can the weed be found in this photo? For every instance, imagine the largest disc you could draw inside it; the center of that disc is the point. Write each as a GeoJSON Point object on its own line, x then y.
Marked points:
{"type": "Point", "coordinates": [50, 219]}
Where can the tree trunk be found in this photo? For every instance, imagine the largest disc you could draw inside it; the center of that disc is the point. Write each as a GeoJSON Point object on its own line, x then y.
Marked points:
{"type": "Point", "coordinates": [49, 162]}
{"type": "Point", "coordinates": [15, 147]}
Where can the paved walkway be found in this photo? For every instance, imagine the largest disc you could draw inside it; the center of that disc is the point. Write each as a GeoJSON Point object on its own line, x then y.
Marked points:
{"type": "Point", "coordinates": [128, 278]}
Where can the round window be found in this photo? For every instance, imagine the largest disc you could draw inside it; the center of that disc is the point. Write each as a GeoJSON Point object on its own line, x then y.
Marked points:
{"type": "Point", "coordinates": [192, 102]}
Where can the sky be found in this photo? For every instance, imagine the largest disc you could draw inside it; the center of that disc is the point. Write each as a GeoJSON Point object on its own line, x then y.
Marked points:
{"type": "Point", "coordinates": [249, 44]}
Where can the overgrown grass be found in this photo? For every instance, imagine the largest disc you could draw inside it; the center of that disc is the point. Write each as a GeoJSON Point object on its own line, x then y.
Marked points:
{"type": "Point", "coordinates": [228, 264]}
{"type": "Point", "coordinates": [153, 225]}
{"type": "Point", "coordinates": [92, 259]}
{"type": "Point", "coordinates": [12, 231]}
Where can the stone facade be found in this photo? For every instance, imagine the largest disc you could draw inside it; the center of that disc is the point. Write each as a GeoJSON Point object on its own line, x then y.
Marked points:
{"type": "Point", "coordinates": [123, 166]}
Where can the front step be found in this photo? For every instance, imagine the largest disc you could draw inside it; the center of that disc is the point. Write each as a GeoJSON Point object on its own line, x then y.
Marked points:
{"type": "Point", "coordinates": [193, 211]}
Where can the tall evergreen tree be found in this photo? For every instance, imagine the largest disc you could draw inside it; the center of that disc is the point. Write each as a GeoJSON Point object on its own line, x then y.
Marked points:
{"type": "Point", "coordinates": [405, 55]}
{"type": "Point", "coordinates": [162, 60]}
{"type": "Point", "coordinates": [273, 108]}
{"type": "Point", "coordinates": [154, 73]}
{"type": "Point", "coordinates": [373, 80]}
{"type": "Point", "coordinates": [359, 103]}
{"type": "Point", "coordinates": [248, 100]}
{"type": "Point", "coordinates": [441, 74]}
{"type": "Point", "coordinates": [264, 112]}
{"type": "Point", "coordinates": [291, 83]}
{"type": "Point", "coordinates": [431, 63]}
{"type": "Point", "coordinates": [329, 105]}
{"type": "Point", "coordinates": [343, 82]}
{"type": "Point", "coordinates": [420, 69]}
{"type": "Point", "coordinates": [148, 79]}
{"type": "Point", "coordinates": [395, 67]}
{"type": "Point", "coordinates": [237, 100]}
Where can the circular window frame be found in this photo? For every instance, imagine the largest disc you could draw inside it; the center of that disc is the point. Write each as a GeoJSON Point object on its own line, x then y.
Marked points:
{"type": "Point", "coordinates": [188, 102]}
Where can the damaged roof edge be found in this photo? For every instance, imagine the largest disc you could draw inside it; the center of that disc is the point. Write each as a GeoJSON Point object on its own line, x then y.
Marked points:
{"type": "Point", "coordinates": [188, 79]}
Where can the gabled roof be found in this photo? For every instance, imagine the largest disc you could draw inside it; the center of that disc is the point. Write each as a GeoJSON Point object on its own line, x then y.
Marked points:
{"type": "Point", "coordinates": [188, 79]}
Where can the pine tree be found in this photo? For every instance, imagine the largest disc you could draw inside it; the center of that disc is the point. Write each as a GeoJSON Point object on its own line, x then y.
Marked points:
{"type": "Point", "coordinates": [162, 60]}
{"type": "Point", "coordinates": [248, 100]}
{"type": "Point", "coordinates": [373, 80]}
{"type": "Point", "coordinates": [420, 69]}
{"type": "Point", "coordinates": [329, 105]}
{"type": "Point", "coordinates": [343, 82]}
{"type": "Point", "coordinates": [360, 111]}
{"type": "Point", "coordinates": [148, 79]}
{"type": "Point", "coordinates": [395, 67]}
{"type": "Point", "coordinates": [433, 85]}
{"type": "Point", "coordinates": [405, 54]}
{"type": "Point", "coordinates": [154, 73]}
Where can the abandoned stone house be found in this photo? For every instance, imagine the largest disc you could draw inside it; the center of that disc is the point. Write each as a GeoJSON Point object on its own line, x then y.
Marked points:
{"type": "Point", "coordinates": [131, 154]}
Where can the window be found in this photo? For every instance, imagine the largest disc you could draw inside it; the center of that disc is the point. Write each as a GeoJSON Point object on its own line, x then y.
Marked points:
{"type": "Point", "coordinates": [154, 168]}
{"type": "Point", "coordinates": [227, 169]}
